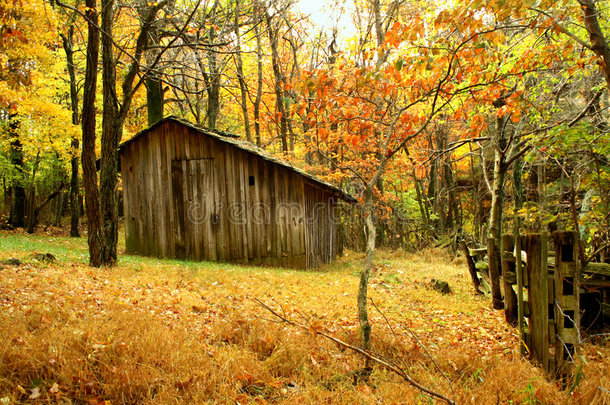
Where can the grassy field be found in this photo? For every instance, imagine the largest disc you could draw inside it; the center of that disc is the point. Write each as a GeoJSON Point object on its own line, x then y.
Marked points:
{"type": "Point", "coordinates": [163, 331]}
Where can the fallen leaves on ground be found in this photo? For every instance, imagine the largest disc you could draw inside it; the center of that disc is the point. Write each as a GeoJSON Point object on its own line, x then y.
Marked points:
{"type": "Point", "coordinates": [154, 331]}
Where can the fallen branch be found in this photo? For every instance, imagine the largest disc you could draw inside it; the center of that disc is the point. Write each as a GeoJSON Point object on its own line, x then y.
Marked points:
{"type": "Point", "coordinates": [33, 220]}
{"type": "Point", "coordinates": [397, 370]}
{"type": "Point", "coordinates": [419, 342]}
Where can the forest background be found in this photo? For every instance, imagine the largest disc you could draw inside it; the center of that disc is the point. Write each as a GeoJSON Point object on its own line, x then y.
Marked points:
{"type": "Point", "coordinates": [449, 122]}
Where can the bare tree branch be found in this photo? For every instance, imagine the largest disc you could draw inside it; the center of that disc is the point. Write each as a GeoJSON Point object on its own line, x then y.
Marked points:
{"type": "Point", "coordinates": [372, 357]}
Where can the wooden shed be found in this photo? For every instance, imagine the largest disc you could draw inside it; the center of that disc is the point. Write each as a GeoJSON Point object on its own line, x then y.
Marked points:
{"type": "Point", "coordinates": [192, 193]}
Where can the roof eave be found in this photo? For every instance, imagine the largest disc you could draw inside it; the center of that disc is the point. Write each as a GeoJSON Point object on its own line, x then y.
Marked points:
{"type": "Point", "coordinates": [231, 139]}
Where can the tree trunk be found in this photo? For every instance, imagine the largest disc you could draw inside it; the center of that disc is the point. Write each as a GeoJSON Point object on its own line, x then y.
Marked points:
{"type": "Point", "coordinates": [154, 85]}
{"type": "Point", "coordinates": [213, 87]}
{"type": "Point", "coordinates": [419, 191]}
{"type": "Point", "coordinates": [423, 207]}
{"type": "Point", "coordinates": [518, 183]}
{"type": "Point", "coordinates": [95, 236]}
{"type": "Point", "coordinates": [59, 209]}
{"type": "Point", "coordinates": [599, 45]}
{"type": "Point", "coordinates": [380, 233]}
{"type": "Point", "coordinates": [476, 221]}
{"type": "Point", "coordinates": [278, 84]}
{"type": "Point", "coordinates": [18, 199]}
{"type": "Point", "coordinates": [113, 120]}
{"type": "Point", "coordinates": [493, 254]}
{"type": "Point", "coordinates": [211, 78]}
{"type": "Point", "coordinates": [432, 192]}
{"type": "Point", "coordinates": [495, 215]}
{"type": "Point", "coordinates": [453, 213]}
{"type": "Point", "coordinates": [35, 209]}
{"type": "Point", "coordinates": [259, 81]}
{"type": "Point", "coordinates": [31, 214]}
{"type": "Point", "coordinates": [363, 315]}
{"type": "Point", "coordinates": [6, 191]}
{"type": "Point", "coordinates": [295, 72]}
{"type": "Point", "coordinates": [74, 192]}
{"type": "Point", "coordinates": [111, 134]}
{"type": "Point", "coordinates": [154, 100]}
{"type": "Point", "coordinates": [441, 206]}
{"type": "Point", "coordinates": [240, 74]}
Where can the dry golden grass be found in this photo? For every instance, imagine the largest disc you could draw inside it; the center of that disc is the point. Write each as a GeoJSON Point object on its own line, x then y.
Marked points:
{"type": "Point", "coordinates": [153, 331]}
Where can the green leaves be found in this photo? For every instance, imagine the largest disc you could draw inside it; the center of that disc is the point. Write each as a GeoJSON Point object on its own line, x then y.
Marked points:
{"type": "Point", "coordinates": [399, 63]}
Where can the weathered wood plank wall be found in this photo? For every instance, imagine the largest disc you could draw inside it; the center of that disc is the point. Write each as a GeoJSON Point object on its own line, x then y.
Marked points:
{"type": "Point", "coordinates": [194, 197]}
{"type": "Point", "coordinates": [321, 232]}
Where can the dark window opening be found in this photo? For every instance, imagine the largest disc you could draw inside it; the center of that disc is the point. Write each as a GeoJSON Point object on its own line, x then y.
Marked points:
{"type": "Point", "coordinates": [551, 312]}
{"type": "Point", "coordinates": [567, 253]}
{"type": "Point", "coordinates": [568, 319]}
{"type": "Point", "coordinates": [569, 351]}
{"type": "Point", "coordinates": [250, 180]}
{"type": "Point", "coordinates": [568, 286]}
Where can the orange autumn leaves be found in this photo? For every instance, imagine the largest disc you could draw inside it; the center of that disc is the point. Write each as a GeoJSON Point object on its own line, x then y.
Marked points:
{"type": "Point", "coordinates": [363, 110]}
{"type": "Point", "coordinates": [456, 63]}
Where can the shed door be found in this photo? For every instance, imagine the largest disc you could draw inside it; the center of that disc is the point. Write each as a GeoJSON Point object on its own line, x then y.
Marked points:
{"type": "Point", "coordinates": [194, 213]}
{"type": "Point", "coordinates": [321, 226]}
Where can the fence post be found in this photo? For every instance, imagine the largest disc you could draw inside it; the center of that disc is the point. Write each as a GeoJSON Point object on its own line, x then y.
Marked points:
{"type": "Point", "coordinates": [493, 254]}
{"type": "Point", "coordinates": [509, 278]}
{"type": "Point", "coordinates": [520, 285]}
{"type": "Point", "coordinates": [567, 299]}
{"type": "Point", "coordinates": [537, 275]}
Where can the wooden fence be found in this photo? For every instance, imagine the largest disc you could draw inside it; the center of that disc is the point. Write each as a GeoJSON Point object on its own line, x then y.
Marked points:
{"type": "Point", "coordinates": [548, 294]}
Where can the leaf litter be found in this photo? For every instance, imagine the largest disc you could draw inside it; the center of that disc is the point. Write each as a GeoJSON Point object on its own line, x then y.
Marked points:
{"type": "Point", "coordinates": [152, 331]}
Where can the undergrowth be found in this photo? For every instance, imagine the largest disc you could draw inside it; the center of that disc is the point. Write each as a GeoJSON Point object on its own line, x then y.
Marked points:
{"type": "Point", "coordinates": [160, 331]}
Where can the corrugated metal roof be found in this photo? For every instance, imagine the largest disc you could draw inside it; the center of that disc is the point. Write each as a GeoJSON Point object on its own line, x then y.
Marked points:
{"type": "Point", "coordinates": [234, 140]}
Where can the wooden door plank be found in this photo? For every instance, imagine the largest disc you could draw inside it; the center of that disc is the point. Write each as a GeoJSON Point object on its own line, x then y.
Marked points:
{"type": "Point", "coordinates": [178, 210]}
{"type": "Point", "coordinates": [210, 216]}
{"type": "Point", "coordinates": [253, 166]}
{"type": "Point", "coordinates": [263, 209]}
{"type": "Point", "coordinates": [246, 205]}
{"type": "Point", "coordinates": [233, 231]}
{"type": "Point", "coordinates": [220, 201]}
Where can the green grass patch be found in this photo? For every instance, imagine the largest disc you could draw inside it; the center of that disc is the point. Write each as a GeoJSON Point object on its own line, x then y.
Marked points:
{"type": "Point", "coordinates": [23, 246]}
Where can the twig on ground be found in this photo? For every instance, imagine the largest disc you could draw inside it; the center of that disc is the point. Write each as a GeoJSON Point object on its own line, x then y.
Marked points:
{"type": "Point", "coordinates": [414, 335]}
{"type": "Point", "coordinates": [364, 353]}
{"type": "Point", "coordinates": [594, 335]}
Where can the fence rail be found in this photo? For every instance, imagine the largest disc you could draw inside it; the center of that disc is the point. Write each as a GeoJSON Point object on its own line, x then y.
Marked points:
{"type": "Point", "coordinates": [548, 294]}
